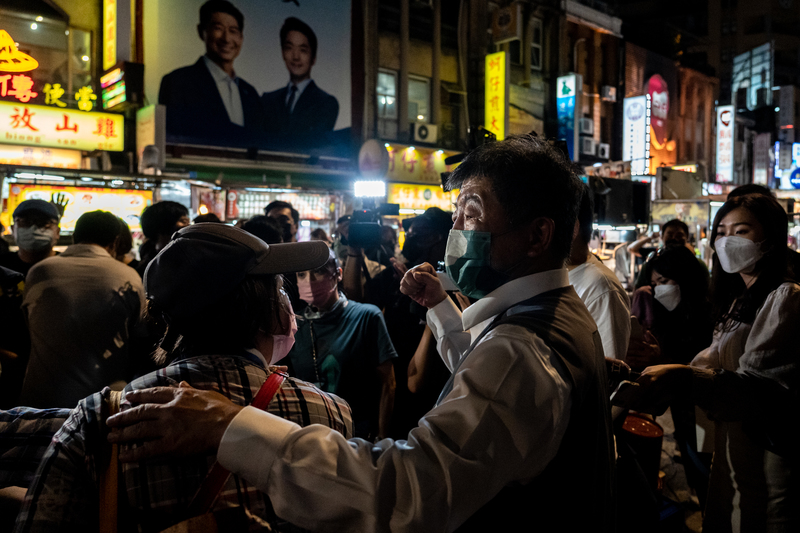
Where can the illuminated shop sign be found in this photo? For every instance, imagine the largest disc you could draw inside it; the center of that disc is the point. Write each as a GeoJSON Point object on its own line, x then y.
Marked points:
{"type": "Point", "coordinates": [496, 104]}
{"type": "Point", "coordinates": [636, 134]}
{"type": "Point", "coordinates": [566, 101]}
{"type": "Point", "coordinates": [417, 165]}
{"type": "Point", "coordinates": [127, 204]}
{"type": "Point", "coordinates": [725, 126]}
{"type": "Point", "coordinates": [109, 33]}
{"type": "Point", "coordinates": [36, 125]}
{"type": "Point", "coordinates": [17, 87]}
{"type": "Point", "coordinates": [32, 156]}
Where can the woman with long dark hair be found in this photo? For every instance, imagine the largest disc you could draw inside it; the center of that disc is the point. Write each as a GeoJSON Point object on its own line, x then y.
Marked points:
{"type": "Point", "coordinates": [674, 307]}
{"type": "Point", "coordinates": [747, 380]}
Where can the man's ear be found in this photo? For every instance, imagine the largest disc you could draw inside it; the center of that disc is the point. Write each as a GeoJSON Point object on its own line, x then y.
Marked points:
{"type": "Point", "coordinates": [200, 32]}
{"type": "Point", "coordinates": [540, 236]}
{"type": "Point", "coordinates": [338, 276]}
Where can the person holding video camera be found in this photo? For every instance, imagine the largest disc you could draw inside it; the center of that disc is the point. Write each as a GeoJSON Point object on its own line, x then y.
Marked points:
{"type": "Point", "coordinates": [343, 348]}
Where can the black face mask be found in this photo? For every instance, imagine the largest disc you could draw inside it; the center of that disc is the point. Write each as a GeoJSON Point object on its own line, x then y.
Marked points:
{"type": "Point", "coordinates": [675, 242]}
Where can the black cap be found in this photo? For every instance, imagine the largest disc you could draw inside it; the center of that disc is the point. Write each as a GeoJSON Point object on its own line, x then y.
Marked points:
{"type": "Point", "coordinates": [434, 218]}
{"type": "Point", "coordinates": [36, 206]}
{"type": "Point", "coordinates": [206, 261]}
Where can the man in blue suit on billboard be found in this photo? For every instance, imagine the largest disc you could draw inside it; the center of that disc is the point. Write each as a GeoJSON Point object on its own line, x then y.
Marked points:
{"type": "Point", "coordinates": [206, 102]}
{"type": "Point", "coordinates": [300, 112]}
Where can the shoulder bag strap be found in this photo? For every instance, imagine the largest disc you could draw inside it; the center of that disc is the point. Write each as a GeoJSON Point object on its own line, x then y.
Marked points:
{"type": "Point", "coordinates": [218, 475]}
{"type": "Point", "coordinates": [108, 480]}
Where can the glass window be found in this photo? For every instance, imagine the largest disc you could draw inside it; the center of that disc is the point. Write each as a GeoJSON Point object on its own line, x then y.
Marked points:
{"type": "Point", "coordinates": [387, 94]}
{"type": "Point", "coordinates": [537, 38]}
{"type": "Point", "coordinates": [419, 98]}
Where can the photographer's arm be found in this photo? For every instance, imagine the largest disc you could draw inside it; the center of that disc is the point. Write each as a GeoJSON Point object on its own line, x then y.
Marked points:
{"type": "Point", "coordinates": [351, 278]}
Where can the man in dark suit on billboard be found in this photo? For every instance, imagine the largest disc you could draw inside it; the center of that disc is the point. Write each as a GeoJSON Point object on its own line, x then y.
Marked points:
{"type": "Point", "coordinates": [206, 102]}
{"type": "Point", "coordinates": [300, 112]}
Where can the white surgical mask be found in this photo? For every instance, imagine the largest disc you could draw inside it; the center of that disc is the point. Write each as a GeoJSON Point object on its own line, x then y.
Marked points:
{"type": "Point", "coordinates": [282, 344]}
{"type": "Point", "coordinates": [668, 295]}
{"type": "Point", "coordinates": [34, 238]}
{"type": "Point", "coordinates": [737, 254]}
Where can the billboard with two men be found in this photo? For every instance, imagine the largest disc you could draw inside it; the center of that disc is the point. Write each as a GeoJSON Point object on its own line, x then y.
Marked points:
{"type": "Point", "coordinates": [262, 74]}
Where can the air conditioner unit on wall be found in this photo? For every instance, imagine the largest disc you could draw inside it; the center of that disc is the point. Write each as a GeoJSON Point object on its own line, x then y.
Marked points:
{"type": "Point", "coordinates": [608, 93]}
{"type": "Point", "coordinates": [586, 126]}
{"type": "Point", "coordinates": [587, 146]}
{"type": "Point", "coordinates": [425, 133]}
{"type": "Point", "coordinates": [603, 150]}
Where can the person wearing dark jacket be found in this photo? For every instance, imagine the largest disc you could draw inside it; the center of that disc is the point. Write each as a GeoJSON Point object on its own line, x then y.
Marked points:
{"type": "Point", "coordinates": [207, 102]}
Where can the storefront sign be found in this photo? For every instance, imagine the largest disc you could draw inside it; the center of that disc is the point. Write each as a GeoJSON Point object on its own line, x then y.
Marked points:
{"type": "Point", "coordinates": [635, 134]}
{"type": "Point", "coordinates": [566, 101]}
{"type": "Point", "coordinates": [417, 165]}
{"type": "Point", "coordinates": [762, 146]}
{"type": "Point", "coordinates": [151, 129]}
{"type": "Point", "coordinates": [725, 129]}
{"type": "Point", "coordinates": [127, 204]}
{"type": "Point", "coordinates": [659, 106]}
{"type": "Point", "coordinates": [496, 105]}
{"type": "Point", "coordinates": [109, 33]}
{"type": "Point", "coordinates": [39, 157]}
{"type": "Point", "coordinates": [35, 125]}
{"type": "Point", "coordinates": [11, 59]}
{"type": "Point", "coordinates": [421, 197]}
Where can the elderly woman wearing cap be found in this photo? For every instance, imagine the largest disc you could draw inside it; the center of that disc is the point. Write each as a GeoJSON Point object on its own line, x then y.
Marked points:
{"type": "Point", "coordinates": [218, 289]}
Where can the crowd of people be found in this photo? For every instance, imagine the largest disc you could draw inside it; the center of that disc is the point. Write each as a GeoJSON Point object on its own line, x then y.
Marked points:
{"type": "Point", "coordinates": [463, 382]}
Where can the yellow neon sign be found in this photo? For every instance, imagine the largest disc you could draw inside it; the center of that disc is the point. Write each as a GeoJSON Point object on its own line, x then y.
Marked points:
{"type": "Point", "coordinates": [11, 59]}
{"type": "Point", "coordinates": [109, 33]}
{"type": "Point", "coordinates": [496, 105]}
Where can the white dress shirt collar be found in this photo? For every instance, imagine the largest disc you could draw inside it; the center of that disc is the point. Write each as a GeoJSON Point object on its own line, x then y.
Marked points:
{"type": "Point", "coordinates": [300, 88]}
{"type": "Point", "coordinates": [513, 292]}
{"type": "Point", "coordinates": [228, 88]}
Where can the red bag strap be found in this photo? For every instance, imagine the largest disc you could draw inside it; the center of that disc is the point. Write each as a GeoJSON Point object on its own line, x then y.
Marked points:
{"type": "Point", "coordinates": [218, 475]}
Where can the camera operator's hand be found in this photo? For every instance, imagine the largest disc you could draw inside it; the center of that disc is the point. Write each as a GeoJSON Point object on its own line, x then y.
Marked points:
{"type": "Point", "coordinates": [423, 286]}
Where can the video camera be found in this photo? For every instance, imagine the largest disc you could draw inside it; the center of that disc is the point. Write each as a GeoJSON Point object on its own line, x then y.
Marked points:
{"type": "Point", "coordinates": [365, 225]}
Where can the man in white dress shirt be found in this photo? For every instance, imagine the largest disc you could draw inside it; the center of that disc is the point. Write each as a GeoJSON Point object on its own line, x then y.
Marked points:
{"type": "Point", "coordinates": [521, 434]}
{"type": "Point", "coordinates": [599, 287]}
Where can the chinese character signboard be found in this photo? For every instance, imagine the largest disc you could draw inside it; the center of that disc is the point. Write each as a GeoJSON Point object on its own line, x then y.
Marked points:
{"type": "Point", "coordinates": [109, 33]}
{"type": "Point", "coordinates": [35, 125]}
{"type": "Point", "coordinates": [635, 134]}
{"type": "Point", "coordinates": [496, 118]}
{"type": "Point", "coordinates": [417, 165]}
{"type": "Point", "coordinates": [762, 145]}
{"type": "Point", "coordinates": [421, 196]}
{"type": "Point", "coordinates": [725, 129]}
{"type": "Point", "coordinates": [566, 100]}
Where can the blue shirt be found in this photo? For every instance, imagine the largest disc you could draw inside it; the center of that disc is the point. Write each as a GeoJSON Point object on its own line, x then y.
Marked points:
{"type": "Point", "coordinates": [339, 351]}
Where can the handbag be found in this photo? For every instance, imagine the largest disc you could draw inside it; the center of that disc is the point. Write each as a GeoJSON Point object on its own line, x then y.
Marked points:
{"type": "Point", "coordinates": [201, 518]}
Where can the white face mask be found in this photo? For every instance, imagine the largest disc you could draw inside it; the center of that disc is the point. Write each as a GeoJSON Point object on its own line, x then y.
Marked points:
{"type": "Point", "coordinates": [668, 295]}
{"type": "Point", "coordinates": [282, 344]}
{"type": "Point", "coordinates": [34, 238]}
{"type": "Point", "coordinates": [737, 254]}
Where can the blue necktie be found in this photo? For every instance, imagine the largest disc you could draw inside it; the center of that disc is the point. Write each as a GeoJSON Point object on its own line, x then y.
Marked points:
{"type": "Point", "coordinates": [290, 101]}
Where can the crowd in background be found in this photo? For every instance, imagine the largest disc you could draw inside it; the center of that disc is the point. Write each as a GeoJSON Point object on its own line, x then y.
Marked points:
{"type": "Point", "coordinates": [76, 322]}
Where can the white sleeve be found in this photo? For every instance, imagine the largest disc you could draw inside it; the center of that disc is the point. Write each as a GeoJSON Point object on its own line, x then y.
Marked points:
{"type": "Point", "coordinates": [612, 312]}
{"type": "Point", "coordinates": [452, 341]}
{"type": "Point", "coordinates": [485, 435]}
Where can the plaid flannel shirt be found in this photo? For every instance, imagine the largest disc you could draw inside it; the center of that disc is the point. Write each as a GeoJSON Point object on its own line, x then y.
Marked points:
{"type": "Point", "coordinates": [25, 434]}
{"type": "Point", "coordinates": [64, 494]}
